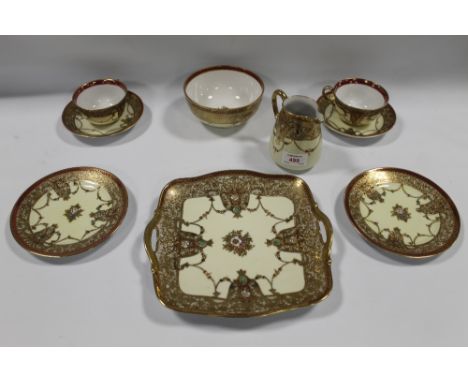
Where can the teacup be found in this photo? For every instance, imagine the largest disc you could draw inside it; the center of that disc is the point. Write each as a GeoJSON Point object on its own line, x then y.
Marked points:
{"type": "Point", "coordinates": [101, 101]}
{"type": "Point", "coordinates": [357, 101]}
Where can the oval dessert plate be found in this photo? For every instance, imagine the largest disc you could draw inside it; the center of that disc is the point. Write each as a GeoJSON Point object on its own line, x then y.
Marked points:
{"type": "Point", "coordinates": [402, 212]}
{"type": "Point", "coordinates": [69, 212]}
{"type": "Point", "coordinates": [75, 121]}
{"type": "Point", "coordinates": [239, 244]}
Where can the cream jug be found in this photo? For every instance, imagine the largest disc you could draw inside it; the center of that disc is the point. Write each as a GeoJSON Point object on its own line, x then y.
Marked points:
{"type": "Point", "coordinates": [296, 142]}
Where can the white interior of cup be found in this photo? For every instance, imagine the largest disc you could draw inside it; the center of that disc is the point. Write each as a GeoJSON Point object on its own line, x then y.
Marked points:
{"type": "Point", "coordinates": [301, 105]}
{"type": "Point", "coordinates": [100, 97]}
{"type": "Point", "coordinates": [360, 96]}
{"type": "Point", "coordinates": [223, 88]}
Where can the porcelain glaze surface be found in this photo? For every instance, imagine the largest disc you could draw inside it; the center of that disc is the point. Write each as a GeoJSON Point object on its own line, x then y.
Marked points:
{"type": "Point", "coordinates": [223, 96]}
{"type": "Point", "coordinates": [360, 96]}
{"type": "Point", "coordinates": [402, 212]}
{"type": "Point", "coordinates": [301, 105]}
{"type": "Point", "coordinates": [100, 97]}
{"type": "Point", "coordinates": [69, 212]}
{"type": "Point", "coordinates": [239, 243]}
{"type": "Point", "coordinates": [377, 126]}
{"type": "Point", "coordinates": [358, 100]}
{"type": "Point", "coordinates": [101, 101]}
{"type": "Point", "coordinates": [223, 89]}
{"type": "Point", "coordinates": [79, 124]}
{"type": "Point", "coordinates": [296, 141]}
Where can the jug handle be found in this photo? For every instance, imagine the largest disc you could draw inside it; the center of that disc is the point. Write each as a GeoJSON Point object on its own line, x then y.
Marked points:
{"type": "Point", "coordinates": [276, 93]}
{"type": "Point", "coordinates": [327, 92]}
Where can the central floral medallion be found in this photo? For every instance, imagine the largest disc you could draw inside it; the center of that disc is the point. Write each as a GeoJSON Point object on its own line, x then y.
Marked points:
{"type": "Point", "coordinates": [73, 212]}
{"type": "Point", "coordinates": [401, 213]}
{"type": "Point", "coordinates": [237, 242]}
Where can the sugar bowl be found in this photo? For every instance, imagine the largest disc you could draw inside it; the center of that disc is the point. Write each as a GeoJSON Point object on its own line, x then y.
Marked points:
{"type": "Point", "coordinates": [223, 96]}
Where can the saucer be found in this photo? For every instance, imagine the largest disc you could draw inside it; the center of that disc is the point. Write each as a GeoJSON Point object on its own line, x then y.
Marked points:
{"type": "Point", "coordinates": [402, 212]}
{"type": "Point", "coordinates": [239, 244]}
{"type": "Point", "coordinates": [381, 125]}
{"type": "Point", "coordinates": [78, 123]}
{"type": "Point", "coordinates": [69, 212]}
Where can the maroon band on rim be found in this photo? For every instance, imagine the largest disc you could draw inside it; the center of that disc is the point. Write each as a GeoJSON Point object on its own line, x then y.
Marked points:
{"type": "Point", "coordinates": [223, 67]}
{"type": "Point", "coordinates": [362, 81]}
{"type": "Point", "coordinates": [16, 208]}
{"type": "Point", "coordinates": [104, 81]}
{"type": "Point", "coordinates": [448, 199]}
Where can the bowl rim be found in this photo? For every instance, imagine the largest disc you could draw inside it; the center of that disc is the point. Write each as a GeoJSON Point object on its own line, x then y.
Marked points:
{"type": "Point", "coordinates": [223, 67]}
{"type": "Point", "coordinates": [101, 81]}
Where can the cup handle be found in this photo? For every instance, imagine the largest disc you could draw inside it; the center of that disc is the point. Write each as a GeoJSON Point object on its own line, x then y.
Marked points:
{"type": "Point", "coordinates": [327, 92]}
{"type": "Point", "coordinates": [276, 93]}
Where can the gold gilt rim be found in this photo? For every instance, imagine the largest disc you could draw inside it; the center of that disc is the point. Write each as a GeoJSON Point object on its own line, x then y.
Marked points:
{"type": "Point", "coordinates": [422, 178]}
{"type": "Point", "coordinates": [16, 207]}
{"type": "Point", "coordinates": [384, 130]}
{"type": "Point", "coordinates": [72, 108]}
{"type": "Point", "coordinates": [151, 227]}
{"type": "Point", "coordinates": [225, 110]}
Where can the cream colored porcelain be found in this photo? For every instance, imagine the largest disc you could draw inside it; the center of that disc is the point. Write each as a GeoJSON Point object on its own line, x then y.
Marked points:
{"type": "Point", "coordinates": [221, 261]}
{"type": "Point", "coordinates": [100, 97]}
{"type": "Point", "coordinates": [402, 212]}
{"type": "Point", "coordinates": [377, 126]}
{"type": "Point", "coordinates": [69, 212]}
{"type": "Point", "coordinates": [101, 101]}
{"type": "Point", "coordinates": [79, 124]}
{"type": "Point", "coordinates": [358, 100]}
{"type": "Point", "coordinates": [223, 89]}
{"type": "Point", "coordinates": [360, 96]}
{"type": "Point", "coordinates": [223, 96]}
{"type": "Point", "coordinates": [239, 243]}
{"type": "Point", "coordinates": [296, 142]}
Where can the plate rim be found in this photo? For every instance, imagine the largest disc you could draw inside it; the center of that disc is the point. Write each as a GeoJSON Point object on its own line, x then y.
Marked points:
{"type": "Point", "coordinates": [16, 206]}
{"type": "Point", "coordinates": [152, 254]}
{"type": "Point", "coordinates": [451, 203]}
{"type": "Point", "coordinates": [82, 134]}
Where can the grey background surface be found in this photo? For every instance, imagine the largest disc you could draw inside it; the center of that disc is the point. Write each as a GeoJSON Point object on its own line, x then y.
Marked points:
{"type": "Point", "coordinates": [106, 297]}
